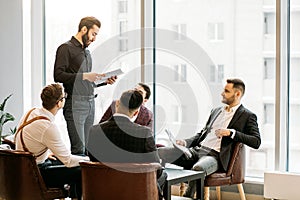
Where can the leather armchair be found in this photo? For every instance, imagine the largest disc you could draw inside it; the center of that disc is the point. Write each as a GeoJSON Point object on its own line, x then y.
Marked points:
{"type": "Point", "coordinates": [8, 142]}
{"type": "Point", "coordinates": [234, 175]}
{"type": "Point", "coordinates": [20, 178]}
{"type": "Point", "coordinates": [126, 181]}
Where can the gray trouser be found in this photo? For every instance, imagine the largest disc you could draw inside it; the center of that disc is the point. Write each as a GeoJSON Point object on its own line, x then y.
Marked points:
{"type": "Point", "coordinates": [203, 161]}
{"type": "Point", "coordinates": [200, 162]}
{"type": "Point", "coordinates": [79, 115]}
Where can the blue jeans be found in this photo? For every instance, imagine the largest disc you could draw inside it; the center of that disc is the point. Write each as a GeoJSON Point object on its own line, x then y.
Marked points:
{"type": "Point", "coordinates": [79, 114]}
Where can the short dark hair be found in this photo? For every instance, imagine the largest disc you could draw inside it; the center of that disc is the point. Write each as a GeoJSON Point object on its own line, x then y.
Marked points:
{"type": "Point", "coordinates": [237, 84]}
{"type": "Point", "coordinates": [50, 95]}
{"type": "Point", "coordinates": [147, 89]}
{"type": "Point", "coordinates": [131, 99]}
{"type": "Point", "coordinates": [89, 22]}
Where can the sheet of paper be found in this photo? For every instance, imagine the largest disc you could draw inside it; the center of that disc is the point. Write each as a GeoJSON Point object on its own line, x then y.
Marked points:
{"type": "Point", "coordinates": [185, 150]}
{"type": "Point", "coordinates": [109, 74]}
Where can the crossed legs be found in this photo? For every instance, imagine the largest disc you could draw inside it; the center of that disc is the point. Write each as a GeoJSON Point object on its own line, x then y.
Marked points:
{"type": "Point", "coordinates": [201, 162]}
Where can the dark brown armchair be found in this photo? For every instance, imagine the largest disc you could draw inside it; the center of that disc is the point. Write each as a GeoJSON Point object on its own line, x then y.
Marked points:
{"type": "Point", "coordinates": [234, 175]}
{"type": "Point", "coordinates": [126, 181]}
{"type": "Point", "coordinates": [20, 178]}
{"type": "Point", "coordinates": [8, 142]}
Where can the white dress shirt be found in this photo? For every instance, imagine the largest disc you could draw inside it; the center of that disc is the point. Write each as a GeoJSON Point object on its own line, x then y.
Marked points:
{"type": "Point", "coordinates": [43, 134]}
{"type": "Point", "coordinates": [221, 122]}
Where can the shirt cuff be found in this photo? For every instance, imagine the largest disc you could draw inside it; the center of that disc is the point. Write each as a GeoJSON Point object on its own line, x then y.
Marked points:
{"type": "Point", "coordinates": [232, 133]}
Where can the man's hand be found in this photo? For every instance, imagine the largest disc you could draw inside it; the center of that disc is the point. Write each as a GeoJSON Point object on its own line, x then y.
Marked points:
{"type": "Point", "coordinates": [51, 156]}
{"type": "Point", "coordinates": [91, 76]}
{"type": "Point", "coordinates": [111, 80]}
{"type": "Point", "coordinates": [181, 142]}
{"type": "Point", "coordinates": [222, 132]}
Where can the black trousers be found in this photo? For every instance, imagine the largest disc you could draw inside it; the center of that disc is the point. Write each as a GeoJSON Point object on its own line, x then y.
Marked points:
{"type": "Point", "coordinates": [56, 174]}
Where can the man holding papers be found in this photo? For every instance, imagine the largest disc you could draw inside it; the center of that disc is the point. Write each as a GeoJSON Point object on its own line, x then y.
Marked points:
{"type": "Point", "coordinates": [73, 68]}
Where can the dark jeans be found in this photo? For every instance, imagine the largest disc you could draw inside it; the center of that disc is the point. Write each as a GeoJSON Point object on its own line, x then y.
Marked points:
{"type": "Point", "coordinates": [79, 113]}
{"type": "Point", "coordinates": [56, 175]}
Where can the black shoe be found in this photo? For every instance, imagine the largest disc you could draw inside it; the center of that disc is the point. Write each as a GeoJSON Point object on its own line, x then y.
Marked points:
{"type": "Point", "coordinates": [191, 190]}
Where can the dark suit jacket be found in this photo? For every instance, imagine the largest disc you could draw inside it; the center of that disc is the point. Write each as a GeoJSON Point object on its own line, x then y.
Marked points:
{"type": "Point", "coordinates": [247, 132]}
{"type": "Point", "coordinates": [120, 140]}
{"type": "Point", "coordinates": [144, 118]}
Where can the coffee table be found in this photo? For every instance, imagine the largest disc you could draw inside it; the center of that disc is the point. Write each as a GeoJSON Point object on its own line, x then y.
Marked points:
{"type": "Point", "coordinates": [180, 175]}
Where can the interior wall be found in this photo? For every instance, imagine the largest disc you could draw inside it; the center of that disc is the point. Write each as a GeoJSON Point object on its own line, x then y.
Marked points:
{"type": "Point", "coordinates": [11, 56]}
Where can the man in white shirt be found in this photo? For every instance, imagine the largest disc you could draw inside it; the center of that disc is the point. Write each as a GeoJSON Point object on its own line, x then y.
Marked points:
{"type": "Point", "coordinates": [212, 146]}
{"type": "Point", "coordinates": [38, 134]}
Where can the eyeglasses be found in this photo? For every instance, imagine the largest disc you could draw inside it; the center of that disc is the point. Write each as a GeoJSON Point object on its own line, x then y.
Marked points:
{"type": "Point", "coordinates": [62, 98]}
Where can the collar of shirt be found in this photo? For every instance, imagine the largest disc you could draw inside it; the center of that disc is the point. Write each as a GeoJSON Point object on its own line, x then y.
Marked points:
{"type": "Point", "coordinates": [48, 114]}
{"type": "Point", "coordinates": [76, 42]}
{"type": "Point", "coordinates": [122, 115]}
{"type": "Point", "coordinates": [134, 117]}
{"type": "Point", "coordinates": [232, 109]}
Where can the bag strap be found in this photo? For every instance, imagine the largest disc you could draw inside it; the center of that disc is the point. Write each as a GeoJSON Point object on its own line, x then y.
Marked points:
{"type": "Point", "coordinates": [25, 123]}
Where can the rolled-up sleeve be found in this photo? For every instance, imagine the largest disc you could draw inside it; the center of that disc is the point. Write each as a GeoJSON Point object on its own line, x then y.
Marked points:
{"type": "Point", "coordinates": [53, 140]}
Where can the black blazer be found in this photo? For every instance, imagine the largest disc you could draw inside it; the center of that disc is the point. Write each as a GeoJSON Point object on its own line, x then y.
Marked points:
{"type": "Point", "coordinates": [120, 140]}
{"type": "Point", "coordinates": [247, 132]}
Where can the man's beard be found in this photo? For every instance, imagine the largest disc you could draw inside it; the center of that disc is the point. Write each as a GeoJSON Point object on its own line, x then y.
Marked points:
{"type": "Point", "coordinates": [85, 40]}
{"type": "Point", "coordinates": [229, 100]}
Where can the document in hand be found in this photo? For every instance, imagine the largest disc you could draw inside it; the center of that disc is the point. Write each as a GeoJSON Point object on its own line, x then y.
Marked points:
{"type": "Point", "coordinates": [109, 74]}
{"type": "Point", "coordinates": [184, 150]}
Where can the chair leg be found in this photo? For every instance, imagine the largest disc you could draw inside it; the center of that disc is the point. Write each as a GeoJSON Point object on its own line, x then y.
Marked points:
{"type": "Point", "coordinates": [206, 193]}
{"type": "Point", "coordinates": [218, 191]}
{"type": "Point", "coordinates": [241, 191]}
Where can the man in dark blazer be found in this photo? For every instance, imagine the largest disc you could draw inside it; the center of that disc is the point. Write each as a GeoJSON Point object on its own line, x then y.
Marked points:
{"type": "Point", "coordinates": [144, 116]}
{"type": "Point", "coordinates": [212, 148]}
{"type": "Point", "coordinates": [121, 140]}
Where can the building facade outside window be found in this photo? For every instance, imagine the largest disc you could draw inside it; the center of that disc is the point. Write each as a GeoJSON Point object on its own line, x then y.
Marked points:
{"type": "Point", "coordinates": [181, 31]}
{"type": "Point", "coordinates": [216, 31]}
{"type": "Point", "coordinates": [217, 73]}
{"type": "Point", "coordinates": [294, 88]}
{"type": "Point", "coordinates": [180, 72]}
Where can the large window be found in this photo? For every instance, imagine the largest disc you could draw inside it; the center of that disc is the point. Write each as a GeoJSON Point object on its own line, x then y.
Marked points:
{"type": "Point", "coordinates": [198, 45]}
{"type": "Point", "coordinates": [224, 39]}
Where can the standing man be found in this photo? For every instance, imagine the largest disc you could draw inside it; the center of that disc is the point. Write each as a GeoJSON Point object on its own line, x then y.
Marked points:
{"type": "Point", "coordinates": [211, 148]}
{"type": "Point", "coordinates": [144, 117]}
{"type": "Point", "coordinates": [73, 66]}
